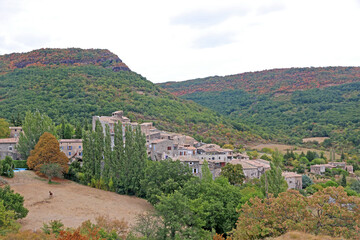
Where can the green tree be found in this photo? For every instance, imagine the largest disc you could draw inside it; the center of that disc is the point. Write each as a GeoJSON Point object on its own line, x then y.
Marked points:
{"type": "Point", "coordinates": [164, 177]}
{"type": "Point", "coordinates": [8, 223]}
{"type": "Point", "coordinates": [51, 170]}
{"type": "Point", "coordinates": [272, 181]}
{"type": "Point", "coordinates": [78, 131]}
{"type": "Point", "coordinates": [35, 125]}
{"type": "Point", "coordinates": [13, 202]}
{"type": "Point", "coordinates": [343, 181]}
{"type": "Point", "coordinates": [306, 181]}
{"type": "Point", "coordinates": [234, 173]}
{"type": "Point", "coordinates": [206, 175]}
{"type": "Point", "coordinates": [179, 219]}
{"type": "Point", "coordinates": [8, 167]}
{"type": "Point", "coordinates": [107, 156]}
{"type": "Point", "coordinates": [4, 128]}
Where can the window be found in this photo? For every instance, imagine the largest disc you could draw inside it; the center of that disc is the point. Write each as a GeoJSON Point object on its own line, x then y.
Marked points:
{"type": "Point", "coordinates": [10, 148]}
{"type": "Point", "coordinates": [168, 148]}
{"type": "Point", "coordinates": [194, 170]}
{"type": "Point", "coordinates": [80, 153]}
{"type": "Point", "coordinates": [191, 163]}
{"type": "Point", "coordinates": [79, 146]}
{"type": "Point", "coordinates": [69, 147]}
{"type": "Point", "coordinates": [69, 153]}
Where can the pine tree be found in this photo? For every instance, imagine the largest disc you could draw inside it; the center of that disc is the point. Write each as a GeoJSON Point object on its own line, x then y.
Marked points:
{"type": "Point", "coordinates": [343, 181]}
{"type": "Point", "coordinates": [272, 181]}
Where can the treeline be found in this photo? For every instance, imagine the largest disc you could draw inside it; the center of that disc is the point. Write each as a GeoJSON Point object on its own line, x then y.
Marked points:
{"type": "Point", "coordinates": [76, 93]}
{"type": "Point", "coordinates": [330, 112]}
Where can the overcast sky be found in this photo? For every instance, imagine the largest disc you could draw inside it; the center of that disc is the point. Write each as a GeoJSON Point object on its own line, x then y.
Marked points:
{"type": "Point", "coordinates": [181, 40]}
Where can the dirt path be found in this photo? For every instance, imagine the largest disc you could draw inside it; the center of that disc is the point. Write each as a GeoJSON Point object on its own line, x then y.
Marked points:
{"type": "Point", "coordinates": [71, 203]}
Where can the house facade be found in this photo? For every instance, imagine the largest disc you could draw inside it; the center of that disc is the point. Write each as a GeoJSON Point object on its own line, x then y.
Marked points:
{"type": "Point", "coordinates": [72, 148]}
{"type": "Point", "coordinates": [293, 180]}
{"type": "Point", "coordinates": [7, 148]}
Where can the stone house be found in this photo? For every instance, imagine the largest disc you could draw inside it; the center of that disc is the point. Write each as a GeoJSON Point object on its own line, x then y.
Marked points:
{"type": "Point", "coordinates": [214, 152]}
{"type": "Point", "coordinates": [7, 148]}
{"type": "Point", "coordinates": [72, 148]}
{"type": "Point", "coordinates": [15, 132]}
{"type": "Point", "coordinates": [318, 169]}
{"type": "Point", "coordinates": [252, 168]}
{"type": "Point", "coordinates": [293, 180]}
{"type": "Point", "coordinates": [196, 165]}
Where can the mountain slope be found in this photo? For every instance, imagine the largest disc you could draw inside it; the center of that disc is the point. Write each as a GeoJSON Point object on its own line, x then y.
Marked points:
{"type": "Point", "coordinates": [78, 84]}
{"type": "Point", "coordinates": [286, 104]}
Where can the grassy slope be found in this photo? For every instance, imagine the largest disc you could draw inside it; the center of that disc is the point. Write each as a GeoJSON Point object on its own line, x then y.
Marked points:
{"type": "Point", "coordinates": [79, 88]}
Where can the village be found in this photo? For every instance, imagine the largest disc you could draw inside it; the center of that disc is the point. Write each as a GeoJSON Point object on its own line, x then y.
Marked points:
{"type": "Point", "coordinates": [163, 145]}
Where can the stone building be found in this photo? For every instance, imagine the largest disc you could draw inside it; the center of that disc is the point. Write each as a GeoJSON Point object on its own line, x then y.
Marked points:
{"type": "Point", "coordinates": [293, 180]}
{"type": "Point", "coordinates": [72, 148]}
{"type": "Point", "coordinates": [15, 132]}
{"type": "Point", "coordinates": [7, 148]}
{"type": "Point", "coordinates": [252, 168]}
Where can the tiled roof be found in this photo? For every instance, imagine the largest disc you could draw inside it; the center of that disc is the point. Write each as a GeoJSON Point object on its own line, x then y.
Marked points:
{"type": "Point", "coordinates": [70, 141]}
{"type": "Point", "coordinates": [9, 140]}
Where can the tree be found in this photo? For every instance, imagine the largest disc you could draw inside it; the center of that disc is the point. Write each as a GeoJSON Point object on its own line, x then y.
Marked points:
{"type": "Point", "coordinates": [4, 128]}
{"type": "Point", "coordinates": [164, 177]}
{"type": "Point", "coordinates": [180, 220]}
{"type": "Point", "coordinates": [51, 170]}
{"type": "Point", "coordinates": [13, 202]}
{"type": "Point", "coordinates": [206, 175]}
{"type": "Point", "coordinates": [34, 126]}
{"type": "Point", "coordinates": [7, 220]}
{"type": "Point", "coordinates": [78, 131]}
{"type": "Point", "coordinates": [343, 180]}
{"type": "Point", "coordinates": [234, 173]}
{"type": "Point", "coordinates": [329, 211]}
{"type": "Point", "coordinates": [47, 151]}
{"type": "Point", "coordinates": [8, 167]}
{"type": "Point", "coordinates": [272, 181]}
{"type": "Point", "coordinates": [306, 181]}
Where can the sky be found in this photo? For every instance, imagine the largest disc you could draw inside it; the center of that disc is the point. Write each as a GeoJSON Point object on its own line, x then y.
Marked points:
{"type": "Point", "coordinates": [181, 40]}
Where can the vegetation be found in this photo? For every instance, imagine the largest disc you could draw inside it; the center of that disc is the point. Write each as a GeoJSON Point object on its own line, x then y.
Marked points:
{"type": "Point", "coordinates": [285, 104]}
{"type": "Point", "coordinates": [329, 211]}
{"type": "Point", "coordinates": [7, 166]}
{"type": "Point", "coordinates": [51, 170]}
{"type": "Point", "coordinates": [13, 202]}
{"type": "Point", "coordinates": [4, 128]}
{"type": "Point", "coordinates": [51, 80]}
{"type": "Point", "coordinates": [35, 125]}
{"type": "Point", "coordinates": [234, 173]}
{"type": "Point", "coordinates": [47, 151]}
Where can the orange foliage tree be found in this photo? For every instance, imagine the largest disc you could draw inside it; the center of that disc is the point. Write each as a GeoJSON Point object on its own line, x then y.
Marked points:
{"type": "Point", "coordinates": [47, 151]}
{"type": "Point", "coordinates": [330, 211]}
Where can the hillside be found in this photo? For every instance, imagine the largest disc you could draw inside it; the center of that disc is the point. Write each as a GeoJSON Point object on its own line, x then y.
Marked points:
{"type": "Point", "coordinates": [77, 84]}
{"type": "Point", "coordinates": [286, 104]}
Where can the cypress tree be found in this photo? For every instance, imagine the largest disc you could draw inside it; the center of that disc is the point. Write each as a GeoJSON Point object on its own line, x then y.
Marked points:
{"type": "Point", "coordinates": [117, 166]}
{"type": "Point", "coordinates": [107, 156]}
{"type": "Point", "coordinates": [78, 131]}
{"type": "Point", "coordinates": [129, 162]}
{"type": "Point", "coordinates": [98, 149]}
{"type": "Point", "coordinates": [88, 156]}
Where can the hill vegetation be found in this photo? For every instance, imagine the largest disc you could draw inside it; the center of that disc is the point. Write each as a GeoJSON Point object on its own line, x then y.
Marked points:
{"type": "Point", "coordinates": [286, 104]}
{"type": "Point", "coordinates": [76, 84]}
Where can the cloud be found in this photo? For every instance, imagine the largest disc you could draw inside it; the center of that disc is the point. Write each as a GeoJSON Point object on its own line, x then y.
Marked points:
{"type": "Point", "coordinates": [213, 40]}
{"type": "Point", "coordinates": [266, 9]}
{"type": "Point", "coordinates": [207, 18]}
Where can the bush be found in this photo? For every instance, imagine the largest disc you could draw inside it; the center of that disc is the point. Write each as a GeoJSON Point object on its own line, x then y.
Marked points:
{"type": "Point", "coordinates": [20, 164]}
{"type": "Point", "coordinates": [13, 201]}
{"type": "Point", "coordinates": [51, 170]}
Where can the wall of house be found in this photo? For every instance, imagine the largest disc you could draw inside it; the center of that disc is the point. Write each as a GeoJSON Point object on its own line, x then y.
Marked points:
{"type": "Point", "coordinates": [8, 149]}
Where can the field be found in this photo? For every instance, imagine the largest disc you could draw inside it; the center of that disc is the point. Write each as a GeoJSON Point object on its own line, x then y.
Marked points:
{"type": "Point", "coordinates": [283, 148]}
{"type": "Point", "coordinates": [315, 139]}
{"type": "Point", "coordinates": [71, 203]}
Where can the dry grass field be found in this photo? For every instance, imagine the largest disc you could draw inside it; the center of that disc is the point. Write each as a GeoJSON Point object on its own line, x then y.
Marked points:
{"type": "Point", "coordinates": [71, 203]}
{"type": "Point", "coordinates": [283, 148]}
{"type": "Point", "coordinates": [300, 236]}
{"type": "Point", "coordinates": [315, 139]}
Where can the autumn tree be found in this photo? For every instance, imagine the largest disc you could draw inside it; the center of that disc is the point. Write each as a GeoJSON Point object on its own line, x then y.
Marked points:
{"type": "Point", "coordinates": [234, 173]}
{"type": "Point", "coordinates": [329, 211]}
{"type": "Point", "coordinates": [35, 125]}
{"type": "Point", "coordinates": [4, 128]}
{"type": "Point", "coordinates": [47, 151]}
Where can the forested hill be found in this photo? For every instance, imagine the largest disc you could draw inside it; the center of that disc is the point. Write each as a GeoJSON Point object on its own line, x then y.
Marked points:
{"type": "Point", "coordinates": [286, 104]}
{"type": "Point", "coordinates": [77, 84]}
{"type": "Point", "coordinates": [269, 81]}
